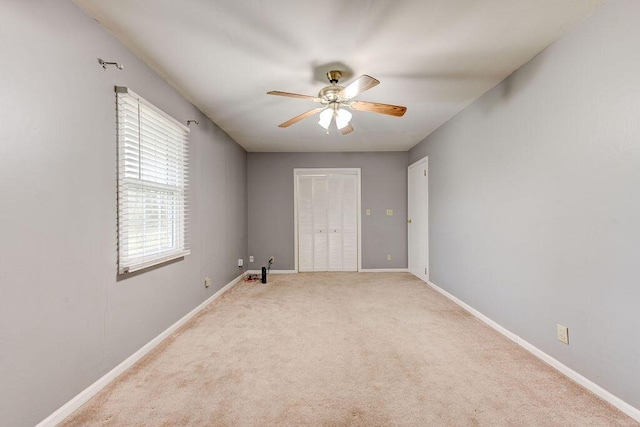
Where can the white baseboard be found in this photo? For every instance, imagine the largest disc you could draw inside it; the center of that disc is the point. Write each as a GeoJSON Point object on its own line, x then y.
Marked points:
{"type": "Point", "coordinates": [71, 406]}
{"type": "Point", "coordinates": [271, 272]}
{"type": "Point", "coordinates": [564, 369]}
{"type": "Point", "coordinates": [384, 270]}
{"type": "Point", "coordinates": [364, 270]}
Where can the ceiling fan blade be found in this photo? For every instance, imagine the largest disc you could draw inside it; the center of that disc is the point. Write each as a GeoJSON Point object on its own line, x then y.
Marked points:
{"type": "Point", "coordinates": [358, 86]}
{"type": "Point", "coordinates": [375, 107]}
{"type": "Point", "coordinates": [294, 95]}
{"type": "Point", "coordinates": [300, 117]}
{"type": "Point", "coordinates": [347, 129]}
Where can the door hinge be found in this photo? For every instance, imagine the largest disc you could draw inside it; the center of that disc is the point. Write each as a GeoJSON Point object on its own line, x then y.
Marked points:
{"type": "Point", "coordinates": [425, 271]}
{"type": "Point", "coordinates": [425, 172]}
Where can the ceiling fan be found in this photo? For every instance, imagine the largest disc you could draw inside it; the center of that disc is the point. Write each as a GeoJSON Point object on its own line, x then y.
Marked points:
{"type": "Point", "coordinates": [333, 98]}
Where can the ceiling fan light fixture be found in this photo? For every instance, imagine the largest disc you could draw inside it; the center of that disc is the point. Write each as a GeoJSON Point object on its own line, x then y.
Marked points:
{"type": "Point", "coordinates": [333, 97]}
{"type": "Point", "coordinates": [325, 118]}
{"type": "Point", "coordinates": [343, 117]}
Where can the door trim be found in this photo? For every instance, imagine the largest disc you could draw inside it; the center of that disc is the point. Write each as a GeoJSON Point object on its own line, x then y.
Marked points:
{"type": "Point", "coordinates": [425, 159]}
{"type": "Point", "coordinates": [323, 171]}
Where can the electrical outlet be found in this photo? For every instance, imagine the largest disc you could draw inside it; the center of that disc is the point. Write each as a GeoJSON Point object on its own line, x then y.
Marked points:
{"type": "Point", "coordinates": [389, 212]}
{"type": "Point", "coordinates": [368, 212]}
{"type": "Point", "coordinates": [207, 282]}
{"type": "Point", "coordinates": [563, 333]}
{"type": "Point", "coordinates": [240, 262]}
{"type": "Point", "coordinates": [388, 257]}
{"type": "Point", "coordinates": [271, 260]}
{"type": "Point", "coordinates": [251, 258]}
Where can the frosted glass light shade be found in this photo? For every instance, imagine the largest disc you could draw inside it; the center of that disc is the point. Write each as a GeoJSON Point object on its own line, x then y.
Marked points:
{"type": "Point", "coordinates": [342, 118]}
{"type": "Point", "coordinates": [325, 118]}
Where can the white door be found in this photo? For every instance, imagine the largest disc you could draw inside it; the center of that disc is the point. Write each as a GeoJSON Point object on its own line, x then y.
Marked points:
{"type": "Point", "coordinates": [418, 221]}
{"type": "Point", "coordinates": [320, 193]}
{"type": "Point", "coordinates": [334, 223]}
{"type": "Point", "coordinates": [305, 229]}
{"type": "Point", "coordinates": [349, 223]}
{"type": "Point", "coordinates": [327, 222]}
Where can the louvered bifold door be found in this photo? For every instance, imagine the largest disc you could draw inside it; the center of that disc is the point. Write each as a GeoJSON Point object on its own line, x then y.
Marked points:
{"type": "Point", "coordinates": [320, 248]}
{"type": "Point", "coordinates": [334, 222]}
{"type": "Point", "coordinates": [328, 222]}
{"type": "Point", "coordinates": [305, 224]}
{"type": "Point", "coordinates": [349, 223]}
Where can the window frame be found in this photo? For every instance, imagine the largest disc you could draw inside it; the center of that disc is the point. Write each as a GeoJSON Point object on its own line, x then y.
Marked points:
{"type": "Point", "coordinates": [157, 198]}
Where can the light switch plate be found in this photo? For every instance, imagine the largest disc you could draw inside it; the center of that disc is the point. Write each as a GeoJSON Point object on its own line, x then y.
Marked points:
{"type": "Point", "coordinates": [563, 334]}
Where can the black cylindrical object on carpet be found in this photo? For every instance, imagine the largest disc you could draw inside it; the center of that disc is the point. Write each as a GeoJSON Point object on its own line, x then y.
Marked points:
{"type": "Point", "coordinates": [264, 274]}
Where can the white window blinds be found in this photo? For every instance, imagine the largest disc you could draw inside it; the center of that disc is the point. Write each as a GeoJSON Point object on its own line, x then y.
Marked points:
{"type": "Point", "coordinates": [152, 184]}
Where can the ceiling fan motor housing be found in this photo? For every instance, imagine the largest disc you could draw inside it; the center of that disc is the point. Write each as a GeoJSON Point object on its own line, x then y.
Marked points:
{"type": "Point", "coordinates": [330, 93]}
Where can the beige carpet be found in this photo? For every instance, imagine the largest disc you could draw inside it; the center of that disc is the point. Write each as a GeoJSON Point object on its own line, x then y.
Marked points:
{"type": "Point", "coordinates": [334, 349]}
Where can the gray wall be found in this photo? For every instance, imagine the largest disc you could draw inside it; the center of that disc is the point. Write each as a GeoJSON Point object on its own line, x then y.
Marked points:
{"type": "Point", "coordinates": [534, 200]}
{"type": "Point", "coordinates": [384, 186]}
{"type": "Point", "coordinates": [64, 319]}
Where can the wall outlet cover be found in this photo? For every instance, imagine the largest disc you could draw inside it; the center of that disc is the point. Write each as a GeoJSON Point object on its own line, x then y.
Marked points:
{"type": "Point", "coordinates": [367, 212]}
{"type": "Point", "coordinates": [207, 282]}
{"type": "Point", "coordinates": [251, 258]}
{"type": "Point", "coordinates": [240, 262]}
{"type": "Point", "coordinates": [389, 212]}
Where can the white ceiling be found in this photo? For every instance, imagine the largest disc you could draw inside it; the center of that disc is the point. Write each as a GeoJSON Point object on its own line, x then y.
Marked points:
{"type": "Point", "coordinates": [433, 56]}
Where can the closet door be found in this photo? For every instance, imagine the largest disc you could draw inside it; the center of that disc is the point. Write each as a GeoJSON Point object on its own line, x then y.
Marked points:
{"type": "Point", "coordinates": [320, 192]}
{"type": "Point", "coordinates": [306, 230]}
{"type": "Point", "coordinates": [349, 223]}
{"type": "Point", "coordinates": [334, 218]}
{"type": "Point", "coordinates": [327, 222]}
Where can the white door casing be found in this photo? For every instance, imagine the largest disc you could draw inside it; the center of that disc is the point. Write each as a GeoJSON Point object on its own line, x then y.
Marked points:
{"type": "Point", "coordinates": [418, 218]}
{"type": "Point", "coordinates": [327, 219]}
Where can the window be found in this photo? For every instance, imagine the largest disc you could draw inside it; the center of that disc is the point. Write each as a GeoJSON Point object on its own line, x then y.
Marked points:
{"type": "Point", "coordinates": [152, 184]}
